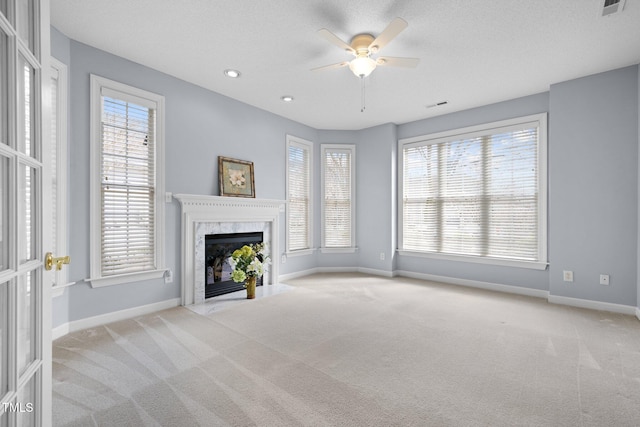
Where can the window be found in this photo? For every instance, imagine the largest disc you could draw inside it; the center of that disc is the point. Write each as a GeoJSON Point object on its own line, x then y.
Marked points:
{"type": "Point", "coordinates": [478, 193]}
{"type": "Point", "coordinates": [338, 188]}
{"type": "Point", "coordinates": [127, 192]}
{"type": "Point", "coordinates": [299, 200]}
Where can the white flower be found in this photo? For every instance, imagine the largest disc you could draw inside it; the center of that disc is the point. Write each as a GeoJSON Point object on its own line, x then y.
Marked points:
{"type": "Point", "coordinates": [232, 262]}
{"type": "Point", "coordinates": [237, 178]}
{"type": "Point", "coordinates": [256, 267]}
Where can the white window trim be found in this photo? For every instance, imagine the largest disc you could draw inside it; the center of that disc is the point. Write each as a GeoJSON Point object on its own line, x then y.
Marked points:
{"type": "Point", "coordinates": [62, 171]}
{"type": "Point", "coordinates": [307, 145]}
{"type": "Point", "coordinates": [97, 84]}
{"type": "Point", "coordinates": [542, 195]}
{"type": "Point", "coordinates": [352, 149]}
{"type": "Point", "coordinates": [300, 252]}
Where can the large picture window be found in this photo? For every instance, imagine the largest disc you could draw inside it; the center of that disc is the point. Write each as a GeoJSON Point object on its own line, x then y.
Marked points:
{"type": "Point", "coordinates": [477, 194]}
{"type": "Point", "coordinates": [127, 188]}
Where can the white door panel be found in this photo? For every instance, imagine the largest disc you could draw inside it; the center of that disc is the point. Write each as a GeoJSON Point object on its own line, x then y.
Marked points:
{"type": "Point", "coordinates": [25, 224]}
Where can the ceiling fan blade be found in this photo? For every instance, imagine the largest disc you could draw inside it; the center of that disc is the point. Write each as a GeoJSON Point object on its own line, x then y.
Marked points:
{"type": "Point", "coordinates": [397, 62]}
{"type": "Point", "coordinates": [393, 29]}
{"type": "Point", "coordinates": [332, 38]}
{"type": "Point", "coordinates": [332, 66]}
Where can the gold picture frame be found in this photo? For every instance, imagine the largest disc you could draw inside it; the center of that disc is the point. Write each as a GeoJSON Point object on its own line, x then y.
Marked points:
{"type": "Point", "coordinates": [236, 177]}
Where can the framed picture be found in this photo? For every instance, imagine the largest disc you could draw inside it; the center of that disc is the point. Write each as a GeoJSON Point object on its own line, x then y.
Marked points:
{"type": "Point", "coordinates": [236, 177]}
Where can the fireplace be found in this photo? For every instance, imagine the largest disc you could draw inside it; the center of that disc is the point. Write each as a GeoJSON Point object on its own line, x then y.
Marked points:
{"type": "Point", "coordinates": [205, 215]}
{"type": "Point", "coordinates": [218, 249]}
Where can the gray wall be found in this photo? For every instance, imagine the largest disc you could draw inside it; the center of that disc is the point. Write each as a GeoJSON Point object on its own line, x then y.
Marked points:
{"type": "Point", "coordinates": [593, 196]}
{"type": "Point", "coordinates": [534, 279]}
{"type": "Point", "coordinates": [376, 195]}
{"type": "Point", "coordinates": [200, 125]}
{"type": "Point", "coordinates": [593, 188]}
{"type": "Point", "coordinates": [593, 180]}
{"type": "Point", "coordinates": [375, 198]}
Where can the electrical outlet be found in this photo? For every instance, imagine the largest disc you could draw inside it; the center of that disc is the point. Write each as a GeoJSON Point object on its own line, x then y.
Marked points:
{"type": "Point", "coordinates": [168, 276]}
{"type": "Point", "coordinates": [604, 279]}
{"type": "Point", "coordinates": [381, 256]}
{"type": "Point", "coordinates": [283, 259]}
{"type": "Point", "coordinates": [168, 197]}
{"type": "Point", "coordinates": [567, 276]}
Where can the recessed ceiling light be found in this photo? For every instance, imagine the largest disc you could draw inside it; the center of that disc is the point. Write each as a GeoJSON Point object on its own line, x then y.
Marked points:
{"type": "Point", "coordinates": [232, 73]}
{"type": "Point", "coordinates": [287, 98]}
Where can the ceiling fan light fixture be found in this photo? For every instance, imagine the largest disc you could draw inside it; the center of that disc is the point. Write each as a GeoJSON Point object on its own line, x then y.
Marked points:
{"type": "Point", "coordinates": [362, 66]}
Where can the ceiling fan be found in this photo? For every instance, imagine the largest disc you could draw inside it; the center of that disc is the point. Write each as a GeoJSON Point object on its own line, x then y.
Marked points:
{"type": "Point", "coordinates": [364, 45]}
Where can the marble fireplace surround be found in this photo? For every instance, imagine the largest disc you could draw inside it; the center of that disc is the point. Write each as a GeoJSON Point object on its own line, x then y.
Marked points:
{"type": "Point", "coordinates": [202, 215]}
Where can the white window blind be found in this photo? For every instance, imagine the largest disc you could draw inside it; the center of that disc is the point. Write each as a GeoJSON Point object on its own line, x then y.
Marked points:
{"type": "Point", "coordinates": [127, 187]}
{"type": "Point", "coordinates": [298, 195]}
{"type": "Point", "coordinates": [338, 188]}
{"type": "Point", "coordinates": [476, 194]}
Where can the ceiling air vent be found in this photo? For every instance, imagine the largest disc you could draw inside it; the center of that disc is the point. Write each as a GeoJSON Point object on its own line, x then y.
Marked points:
{"type": "Point", "coordinates": [611, 7]}
{"type": "Point", "coordinates": [438, 104]}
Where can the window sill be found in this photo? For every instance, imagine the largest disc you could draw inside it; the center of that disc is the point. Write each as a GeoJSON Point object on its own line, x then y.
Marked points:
{"type": "Point", "coordinates": [532, 265]}
{"type": "Point", "coordinates": [120, 279]}
{"type": "Point", "coordinates": [338, 250]}
{"type": "Point", "coordinates": [301, 252]}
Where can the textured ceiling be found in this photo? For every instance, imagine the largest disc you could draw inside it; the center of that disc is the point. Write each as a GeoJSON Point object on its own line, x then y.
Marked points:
{"type": "Point", "coordinates": [472, 53]}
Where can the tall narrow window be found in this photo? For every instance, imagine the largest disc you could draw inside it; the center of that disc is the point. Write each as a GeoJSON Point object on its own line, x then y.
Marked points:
{"type": "Point", "coordinates": [299, 201]}
{"type": "Point", "coordinates": [477, 193]}
{"type": "Point", "coordinates": [338, 188]}
{"type": "Point", "coordinates": [128, 190]}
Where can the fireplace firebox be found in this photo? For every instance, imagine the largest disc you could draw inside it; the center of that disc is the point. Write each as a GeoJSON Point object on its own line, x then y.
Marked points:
{"type": "Point", "coordinates": [218, 249]}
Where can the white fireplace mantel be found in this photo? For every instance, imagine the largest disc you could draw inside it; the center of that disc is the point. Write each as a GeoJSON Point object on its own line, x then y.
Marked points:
{"type": "Point", "coordinates": [197, 210]}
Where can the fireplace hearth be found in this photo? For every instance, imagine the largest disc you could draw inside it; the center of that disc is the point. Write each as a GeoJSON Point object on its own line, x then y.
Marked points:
{"type": "Point", "coordinates": [202, 215]}
{"type": "Point", "coordinates": [218, 249]}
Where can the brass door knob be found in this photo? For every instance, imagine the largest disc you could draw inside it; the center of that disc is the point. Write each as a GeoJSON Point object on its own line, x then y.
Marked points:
{"type": "Point", "coordinates": [49, 261]}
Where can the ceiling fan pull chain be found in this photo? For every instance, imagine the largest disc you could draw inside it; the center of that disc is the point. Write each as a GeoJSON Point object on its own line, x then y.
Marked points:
{"type": "Point", "coordinates": [363, 105]}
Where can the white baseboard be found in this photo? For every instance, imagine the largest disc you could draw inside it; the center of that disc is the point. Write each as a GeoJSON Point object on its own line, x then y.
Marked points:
{"type": "Point", "coordinates": [553, 299]}
{"type": "Point", "coordinates": [337, 269]}
{"type": "Point", "coordinates": [422, 276]}
{"type": "Point", "coordinates": [103, 319]}
{"type": "Point", "coordinates": [537, 293]}
{"type": "Point", "coordinates": [363, 270]}
{"type": "Point", "coordinates": [593, 305]}
{"type": "Point", "coordinates": [284, 277]}
{"type": "Point", "coordinates": [476, 284]}
{"type": "Point", "coordinates": [374, 272]}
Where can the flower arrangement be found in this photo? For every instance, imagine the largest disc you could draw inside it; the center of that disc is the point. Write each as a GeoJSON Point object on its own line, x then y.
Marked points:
{"type": "Point", "coordinates": [248, 261]}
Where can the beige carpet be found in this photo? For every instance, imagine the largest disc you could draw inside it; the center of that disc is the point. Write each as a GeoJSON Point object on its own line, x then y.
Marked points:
{"type": "Point", "coordinates": [353, 350]}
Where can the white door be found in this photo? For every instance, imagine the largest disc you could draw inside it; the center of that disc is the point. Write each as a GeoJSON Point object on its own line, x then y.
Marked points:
{"type": "Point", "coordinates": [25, 226]}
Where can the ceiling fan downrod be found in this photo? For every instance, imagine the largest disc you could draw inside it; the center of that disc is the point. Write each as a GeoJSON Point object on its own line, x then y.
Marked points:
{"type": "Point", "coordinates": [362, 100]}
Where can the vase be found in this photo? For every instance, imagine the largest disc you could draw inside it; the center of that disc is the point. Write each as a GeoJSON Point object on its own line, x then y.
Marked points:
{"type": "Point", "coordinates": [250, 284]}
